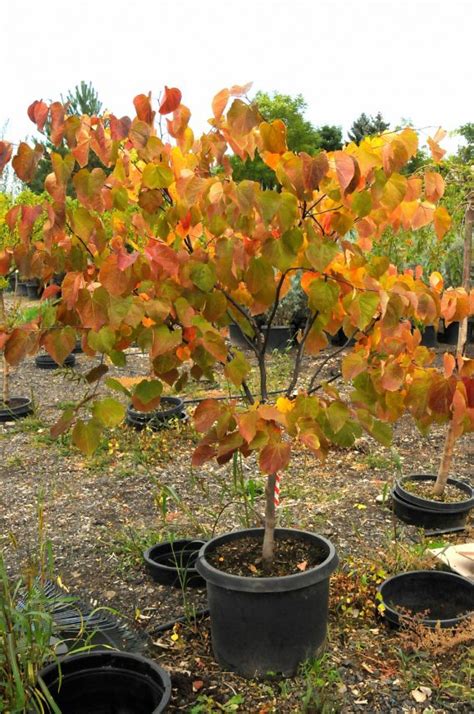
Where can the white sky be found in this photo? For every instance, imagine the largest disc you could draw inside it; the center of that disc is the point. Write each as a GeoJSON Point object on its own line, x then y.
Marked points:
{"type": "Point", "coordinates": [406, 58]}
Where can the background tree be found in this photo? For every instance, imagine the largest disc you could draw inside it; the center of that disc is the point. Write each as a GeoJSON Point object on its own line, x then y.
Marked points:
{"type": "Point", "coordinates": [466, 153]}
{"type": "Point", "coordinates": [301, 135]}
{"type": "Point", "coordinates": [367, 126]}
{"type": "Point", "coordinates": [83, 99]}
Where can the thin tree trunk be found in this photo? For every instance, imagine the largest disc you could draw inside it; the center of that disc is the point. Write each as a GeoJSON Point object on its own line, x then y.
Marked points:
{"type": "Point", "coordinates": [6, 366]}
{"type": "Point", "coordinates": [447, 457]}
{"type": "Point", "coordinates": [270, 521]}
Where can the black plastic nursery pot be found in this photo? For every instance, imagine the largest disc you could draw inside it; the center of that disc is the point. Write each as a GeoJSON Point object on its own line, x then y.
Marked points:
{"type": "Point", "coordinates": [280, 338]}
{"type": "Point", "coordinates": [267, 626]}
{"type": "Point", "coordinates": [107, 682]}
{"type": "Point", "coordinates": [449, 336]}
{"type": "Point", "coordinates": [78, 348]}
{"type": "Point", "coordinates": [466, 489]}
{"type": "Point", "coordinates": [428, 336]}
{"type": "Point", "coordinates": [340, 339]}
{"type": "Point", "coordinates": [435, 596]}
{"type": "Point", "coordinates": [47, 362]}
{"type": "Point", "coordinates": [173, 563]}
{"type": "Point", "coordinates": [15, 408]}
{"type": "Point", "coordinates": [439, 521]}
{"type": "Point", "coordinates": [170, 408]}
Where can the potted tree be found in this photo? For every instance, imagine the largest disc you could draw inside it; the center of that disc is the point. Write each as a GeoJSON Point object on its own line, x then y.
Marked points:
{"type": "Point", "coordinates": [193, 252]}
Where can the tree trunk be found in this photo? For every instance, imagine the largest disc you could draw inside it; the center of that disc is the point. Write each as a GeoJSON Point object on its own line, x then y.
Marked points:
{"type": "Point", "coordinates": [6, 366]}
{"type": "Point", "coordinates": [447, 457]}
{"type": "Point", "coordinates": [269, 535]}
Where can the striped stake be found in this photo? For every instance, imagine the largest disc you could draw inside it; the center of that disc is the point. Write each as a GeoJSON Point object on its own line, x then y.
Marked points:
{"type": "Point", "coordinates": [276, 493]}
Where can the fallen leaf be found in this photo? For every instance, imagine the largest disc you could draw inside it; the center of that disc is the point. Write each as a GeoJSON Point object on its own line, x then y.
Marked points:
{"type": "Point", "coordinates": [197, 685]}
{"type": "Point", "coordinates": [302, 566]}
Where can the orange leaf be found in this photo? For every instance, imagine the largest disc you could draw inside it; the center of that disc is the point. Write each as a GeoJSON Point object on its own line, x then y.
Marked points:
{"type": "Point", "coordinates": [345, 168]}
{"type": "Point", "coordinates": [5, 154]}
{"type": "Point", "coordinates": [449, 364]}
{"type": "Point", "coordinates": [442, 221]}
{"type": "Point", "coordinates": [248, 425]}
{"type": "Point", "coordinates": [219, 102]}
{"type": "Point", "coordinates": [143, 108]}
{"type": "Point", "coordinates": [26, 160]}
{"type": "Point", "coordinates": [171, 100]}
{"type": "Point", "coordinates": [274, 457]}
{"type": "Point", "coordinates": [38, 113]}
{"type": "Point", "coordinates": [302, 566]}
{"type": "Point", "coordinates": [206, 414]}
{"type": "Point", "coordinates": [434, 186]}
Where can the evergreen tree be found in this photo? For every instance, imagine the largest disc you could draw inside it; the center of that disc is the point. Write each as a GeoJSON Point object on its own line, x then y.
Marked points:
{"type": "Point", "coordinates": [367, 126]}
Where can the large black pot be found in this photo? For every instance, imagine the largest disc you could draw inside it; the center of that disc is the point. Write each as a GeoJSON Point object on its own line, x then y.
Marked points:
{"type": "Point", "coordinates": [449, 336]}
{"type": "Point", "coordinates": [32, 289]}
{"type": "Point", "coordinates": [439, 521]}
{"type": "Point", "coordinates": [173, 563]}
{"type": "Point", "coordinates": [16, 408]}
{"type": "Point", "coordinates": [47, 362]}
{"type": "Point", "coordinates": [280, 338]}
{"type": "Point", "coordinates": [108, 682]}
{"type": "Point", "coordinates": [170, 408]}
{"type": "Point", "coordinates": [445, 597]}
{"type": "Point", "coordinates": [267, 626]}
{"type": "Point", "coordinates": [440, 506]}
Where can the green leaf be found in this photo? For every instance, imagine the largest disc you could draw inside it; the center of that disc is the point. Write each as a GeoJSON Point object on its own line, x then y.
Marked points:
{"type": "Point", "coordinates": [337, 415]}
{"type": "Point", "coordinates": [321, 253]}
{"type": "Point", "coordinates": [103, 340]}
{"type": "Point", "coordinates": [108, 412]}
{"type": "Point", "coordinates": [117, 386]}
{"type": "Point", "coordinates": [203, 276]}
{"type": "Point", "coordinates": [237, 369]}
{"type": "Point", "coordinates": [146, 396]}
{"type": "Point", "coordinates": [362, 204]}
{"type": "Point", "coordinates": [323, 295]}
{"type": "Point", "coordinates": [157, 176]}
{"type": "Point", "coordinates": [86, 436]}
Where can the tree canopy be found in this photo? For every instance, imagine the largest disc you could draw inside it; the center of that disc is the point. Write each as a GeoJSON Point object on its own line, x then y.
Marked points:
{"type": "Point", "coordinates": [366, 125]}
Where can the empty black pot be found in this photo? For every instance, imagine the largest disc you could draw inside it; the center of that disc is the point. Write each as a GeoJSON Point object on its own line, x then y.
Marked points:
{"type": "Point", "coordinates": [428, 337]}
{"type": "Point", "coordinates": [173, 563]}
{"type": "Point", "coordinates": [445, 597]}
{"type": "Point", "coordinates": [340, 339]}
{"type": "Point", "coordinates": [15, 408]}
{"type": "Point", "coordinates": [47, 362]}
{"type": "Point", "coordinates": [449, 336]}
{"type": "Point", "coordinates": [170, 408]}
{"type": "Point", "coordinates": [267, 626]}
{"type": "Point", "coordinates": [108, 683]}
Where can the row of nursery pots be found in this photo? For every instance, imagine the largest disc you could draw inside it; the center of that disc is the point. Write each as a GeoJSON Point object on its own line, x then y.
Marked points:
{"type": "Point", "coordinates": [282, 338]}
{"type": "Point", "coordinates": [260, 626]}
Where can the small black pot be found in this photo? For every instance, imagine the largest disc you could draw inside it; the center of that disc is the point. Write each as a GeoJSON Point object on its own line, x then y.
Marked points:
{"type": "Point", "coordinates": [108, 682]}
{"type": "Point", "coordinates": [439, 521]}
{"type": "Point", "coordinates": [267, 626]}
{"type": "Point", "coordinates": [173, 563]}
{"type": "Point", "coordinates": [16, 408]}
{"type": "Point", "coordinates": [439, 506]}
{"type": "Point", "coordinates": [280, 338]}
{"type": "Point", "coordinates": [47, 362]}
{"type": "Point", "coordinates": [21, 288]}
{"type": "Point", "coordinates": [446, 598]}
{"type": "Point", "coordinates": [170, 408]}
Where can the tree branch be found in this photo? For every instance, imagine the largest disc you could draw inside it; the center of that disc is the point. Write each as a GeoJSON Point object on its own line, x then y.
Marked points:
{"type": "Point", "coordinates": [299, 355]}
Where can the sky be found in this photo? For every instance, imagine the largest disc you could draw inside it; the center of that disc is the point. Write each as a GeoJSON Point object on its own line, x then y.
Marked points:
{"type": "Point", "coordinates": [410, 59]}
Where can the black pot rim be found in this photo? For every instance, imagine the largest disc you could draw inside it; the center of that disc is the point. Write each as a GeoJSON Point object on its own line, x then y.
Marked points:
{"type": "Point", "coordinates": [436, 506]}
{"type": "Point", "coordinates": [181, 544]}
{"type": "Point", "coordinates": [394, 616]}
{"type": "Point", "coordinates": [22, 407]}
{"type": "Point", "coordinates": [175, 404]}
{"type": "Point", "coordinates": [109, 655]}
{"type": "Point", "coordinates": [284, 583]}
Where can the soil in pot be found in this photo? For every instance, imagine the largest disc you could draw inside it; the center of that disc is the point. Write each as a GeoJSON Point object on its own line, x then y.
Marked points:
{"type": "Point", "coordinates": [173, 563]}
{"type": "Point", "coordinates": [47, 362]}
{"type": "Point", "coordinates": [108, 683]}
{"type": "Point", "coordinates": [266, 626]}
{"type": "Point", "coordinates": [428, 595]}
{"type": "Point", "coordinates": [170, 408]}
{"type": "Point", "coordinates": [418, 489]}
{"type": "Point", "coordinates": [15, 408]}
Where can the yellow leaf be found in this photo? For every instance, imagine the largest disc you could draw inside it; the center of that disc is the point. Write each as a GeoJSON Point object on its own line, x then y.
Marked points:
{"type": "Point", "coordinates": [284, 405]}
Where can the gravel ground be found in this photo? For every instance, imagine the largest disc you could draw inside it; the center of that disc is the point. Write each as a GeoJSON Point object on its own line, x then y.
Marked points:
{"type": "Point", "coordinates": [100, 512]}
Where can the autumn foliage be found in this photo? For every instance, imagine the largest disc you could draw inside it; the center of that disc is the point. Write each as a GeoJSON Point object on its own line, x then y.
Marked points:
{"type": "Point", "coordinates": [164, 249]}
